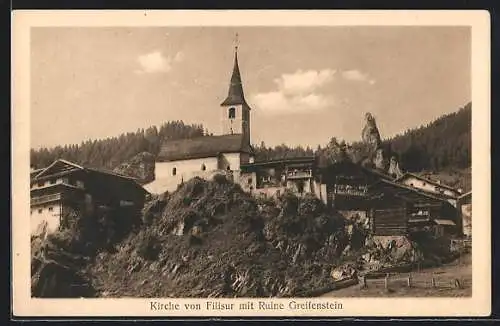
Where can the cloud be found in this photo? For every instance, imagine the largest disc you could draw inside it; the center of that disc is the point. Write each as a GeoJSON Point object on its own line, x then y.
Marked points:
{"type": "Point", "coordinates": [304, 81]}
{"type": "Point", "coordinates": [156, 62]}
{"type": "Point", "coordinates": [356, 75]}
{"type": "Point", "coordinates": [297, 92]}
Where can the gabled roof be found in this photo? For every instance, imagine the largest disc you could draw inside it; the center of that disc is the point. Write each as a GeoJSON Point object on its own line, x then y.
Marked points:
{"type": "Point", "coordinates": [437, 184]}
{"type": "Point", "coordinates": [201, 147]}
{"type": "Point", "coordinates": [406, 191]}
{"type": "Point", "coordinates": [33, 173]}
{"type": "Point", "coordinates": [59, 165]}
{"type": "Point", "coordinates": [62, 166]}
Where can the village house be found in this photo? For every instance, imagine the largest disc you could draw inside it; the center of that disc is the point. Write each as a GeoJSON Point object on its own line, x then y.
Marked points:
{"type": "Point", "coordinates": [64, 188]}
{"type": "Point", "coordinates": [396, 209]}
{"type": "Point", "coordinates": [464, 205]}
{"type": "Point", "coordinates": [434, 187]}
{"type": "Point", "coordinates": [274, 177]}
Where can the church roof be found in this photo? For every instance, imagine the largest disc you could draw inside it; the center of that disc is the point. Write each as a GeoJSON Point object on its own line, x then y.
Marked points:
{"type": "Point", "coordinates": [235, 94]}
{"type": "Point", "coordinates": [201, 147]}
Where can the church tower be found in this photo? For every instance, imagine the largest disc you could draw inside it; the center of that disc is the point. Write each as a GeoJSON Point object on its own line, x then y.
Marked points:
{"type": "Point", "coordinates": [235, 110]}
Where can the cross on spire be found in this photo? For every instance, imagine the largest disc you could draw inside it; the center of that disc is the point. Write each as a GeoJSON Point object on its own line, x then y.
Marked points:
{"type": "Point", "coordinates": [236, 42]}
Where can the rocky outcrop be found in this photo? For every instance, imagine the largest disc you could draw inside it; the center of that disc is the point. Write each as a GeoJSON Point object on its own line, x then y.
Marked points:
{"type": "Point", "coordinates": [379, 160]}
{"type": "Point", "coordinates": [394, 169]}
{"type": "Point", "coordinates": [370, 134]}
{"type": "Point", "coordinates": [141, 166]}
{"type": "Point", "coordinates": [376, 155]}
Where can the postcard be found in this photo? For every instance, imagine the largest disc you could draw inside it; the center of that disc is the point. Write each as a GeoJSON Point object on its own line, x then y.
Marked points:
{"type": "Point", "coordinates": [251, 163]}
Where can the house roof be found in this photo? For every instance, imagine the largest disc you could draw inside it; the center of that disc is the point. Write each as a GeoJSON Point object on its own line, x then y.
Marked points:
{"type": "Point", "coordinates": [235, 95]}
{"type": "Point", "coordinates": [467, 194]}
{"type": "Point", "coordinates": [201, 147]}
{"type": "Point", "coordinates": [33, 173]}
{"type": "Point", "coordinates": [406, 191]}
{"type": "Point", "coordinates": [408, 174]}
{"type": "Point", "coordinates": [62, 166]}
{"type": "Point", "coordinates": [351, 166]}
{"type": "Point", "coordinates": [444, 222]}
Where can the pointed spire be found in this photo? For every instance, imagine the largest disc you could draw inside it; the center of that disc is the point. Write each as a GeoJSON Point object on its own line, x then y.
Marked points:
{"type": "Point", "coordinates": [235, 94]}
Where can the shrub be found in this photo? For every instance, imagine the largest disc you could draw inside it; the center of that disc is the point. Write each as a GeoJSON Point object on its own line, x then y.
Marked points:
{"type": "Point", "coordinates": [148, 247]}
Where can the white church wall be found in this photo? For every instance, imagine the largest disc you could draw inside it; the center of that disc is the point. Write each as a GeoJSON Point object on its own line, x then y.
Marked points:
{"type": "Point", "coordinates": [232, 160]}
{"type": "Point", "coordinates": [184, 168]}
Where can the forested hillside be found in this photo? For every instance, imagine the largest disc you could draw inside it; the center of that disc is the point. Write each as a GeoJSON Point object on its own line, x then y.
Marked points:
{"type": "Point", "coordinates": [109, 153]}
{"type": "Point", "coordinates": [443, 143]}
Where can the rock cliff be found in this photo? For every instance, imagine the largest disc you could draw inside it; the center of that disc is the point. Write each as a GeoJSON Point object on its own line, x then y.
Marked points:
{"type": "Point", "coordinates": [376, 155]}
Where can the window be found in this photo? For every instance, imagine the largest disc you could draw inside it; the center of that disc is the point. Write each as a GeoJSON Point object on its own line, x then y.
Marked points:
{"type": "Point", "coordinates": [40, 211]}
{"type": "Point", "coordinates": [51, 209]}
{"type": "Point", "coordinates": [228, 168]}
{"type": "Point", "coordinates": [203, 167]}
{"type": "Point", "coordinates": [232, 113]}
{"type": "Point", "coordinates": [249, 181]}
{"type": "Point", "coordinates": [411, 184]}
{"type": "Point", "coordinates": [423, 183]}
{"type": "Point", "coordinates": [41, 184]}
{"type": "Point", "coordinates": [53, 181]}
{"type": "Point", "coordinates": [174, 171]}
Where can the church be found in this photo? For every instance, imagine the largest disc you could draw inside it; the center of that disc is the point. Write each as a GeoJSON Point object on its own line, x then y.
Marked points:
{"type": "Point", "coordinates": [181, 160]}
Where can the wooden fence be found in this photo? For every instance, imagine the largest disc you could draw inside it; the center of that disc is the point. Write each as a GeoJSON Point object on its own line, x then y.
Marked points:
{"type": "Point", "coordinates": [420, 280]}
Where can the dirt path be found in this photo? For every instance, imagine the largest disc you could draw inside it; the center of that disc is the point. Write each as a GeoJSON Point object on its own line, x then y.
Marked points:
{"type": "Point", "coordinates": [444, 277]}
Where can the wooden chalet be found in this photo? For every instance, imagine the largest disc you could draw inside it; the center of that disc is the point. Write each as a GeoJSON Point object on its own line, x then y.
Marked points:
{"type": "Point", "coordinates": [396, 209]}
{"type": "Point", "coordinates": [64, 187]}
{"type": "Point", "coordinates": [347, 184]}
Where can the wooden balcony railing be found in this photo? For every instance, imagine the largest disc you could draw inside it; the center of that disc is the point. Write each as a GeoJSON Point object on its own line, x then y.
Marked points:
{"type": "Point", "coordinates": [46, 199]}
{"type": "Point", "coordinates": [299, 175]}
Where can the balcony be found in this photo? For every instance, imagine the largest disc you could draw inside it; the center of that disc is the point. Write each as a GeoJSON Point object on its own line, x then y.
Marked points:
{"type": "Point", "coordinates": [299, 175]}
{"type": "Point", "coordinates": [58, 182]}
{"type": "Point", "coordinates": [351, 191]}
{"type": "Point", "coordinates": [46, 199]}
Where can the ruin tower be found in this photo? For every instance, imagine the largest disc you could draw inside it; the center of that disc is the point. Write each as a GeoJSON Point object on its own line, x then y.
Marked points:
{"type": "Point", "coordinates": [235, 110]}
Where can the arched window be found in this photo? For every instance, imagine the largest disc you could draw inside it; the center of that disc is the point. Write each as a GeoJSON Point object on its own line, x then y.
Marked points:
{"type": "Point", "coordinates": [174, 171]}
{"type": "Point", "coordinates": [203, 167]}
{"type": "Point", "coordinates": [232, 113]}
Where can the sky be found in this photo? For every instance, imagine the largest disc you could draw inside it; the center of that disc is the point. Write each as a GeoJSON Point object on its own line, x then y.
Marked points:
{"type": "Point", "coordinates": [304, 84]}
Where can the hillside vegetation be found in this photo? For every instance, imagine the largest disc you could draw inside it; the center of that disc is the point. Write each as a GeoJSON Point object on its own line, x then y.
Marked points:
{"type": "Point", "coordinates": [211, 239]}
